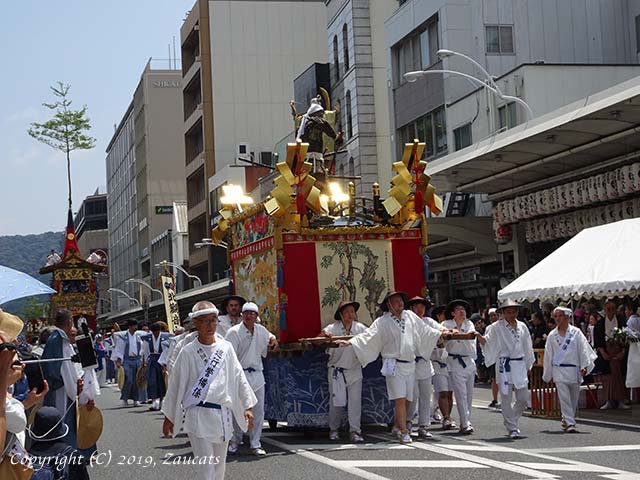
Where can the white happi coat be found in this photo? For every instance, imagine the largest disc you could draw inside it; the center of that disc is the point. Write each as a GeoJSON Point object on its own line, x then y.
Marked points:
{"type": "Point", "coordinates": [465, 348]}
{"type": "Point", "coordinates": [633, 362]}
{"type": "Point", "coordinates": [578, 353]}
{"type": "Point", "coordinates": [424, 366]}
{"type": "Point", "coordinates": [345, 357]}
{"type": "Point", "coordinates": [229, 389]}
{"type": "Point", "coordinates": [503, 345]}
{"type": "Point", "coordinates": [225, 322]}
{"type": "Point", "coordinates": [174, 349]}
{"type": "Point", "coordinates": [250, 349]}
{"type": "Point", "coordinates": [385, 337]}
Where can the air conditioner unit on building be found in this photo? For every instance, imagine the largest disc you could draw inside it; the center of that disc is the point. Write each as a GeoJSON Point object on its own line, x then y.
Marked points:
{"type": "Point", "coordinates": [266, 158]}
{"type": "Point", "coordinates": [243, 150]}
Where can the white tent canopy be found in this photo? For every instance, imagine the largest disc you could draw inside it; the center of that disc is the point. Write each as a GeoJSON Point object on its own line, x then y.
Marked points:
{"type": "Point", "coordinates": [598, 262]}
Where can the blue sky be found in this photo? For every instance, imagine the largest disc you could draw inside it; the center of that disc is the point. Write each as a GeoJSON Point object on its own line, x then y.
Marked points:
{"type": "Point", "coordinates": [100, 48]}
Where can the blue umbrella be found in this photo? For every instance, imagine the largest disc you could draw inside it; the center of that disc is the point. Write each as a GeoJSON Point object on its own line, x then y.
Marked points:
{"type": "Point", "coordinates": [15, 284]}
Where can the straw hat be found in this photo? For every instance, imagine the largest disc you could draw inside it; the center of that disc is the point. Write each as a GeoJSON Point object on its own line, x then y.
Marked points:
{"type": "Point", "coordinates": [508, 303]}
{"type": "Point", "coordinates": [120, 378]}
{"type": "Point", "coordinates": [11, 325]}
{"type": "Point", "coordinates": [343, 305]}
{"type": "Point", "coordinates": [141, 377]}
{"type": "Point", "coordinates": [383, 305]}
{"type": "Point", "coordinates": [89, 423]}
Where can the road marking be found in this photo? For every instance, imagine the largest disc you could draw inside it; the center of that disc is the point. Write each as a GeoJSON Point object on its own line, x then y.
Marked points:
{"type": "Point", "coordinates": [598, 448]}
{"type": "Point", "coordinates": [476, 459]}
{"type": "Point", "coordinates": [325, 461]}
{"type": "Point", "coordinates": [328, 447]}
{"type": "Point", "coordinates": [475, 448]}
{"type": "Point", "coordinates": [410, 464]}
{"type": "Point", "coordinates": [566, 467]}
{"type": "Point", "coordinates": [580, 466]}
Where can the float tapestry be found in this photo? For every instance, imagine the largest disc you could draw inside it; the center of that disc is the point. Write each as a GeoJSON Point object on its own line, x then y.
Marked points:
{"type": "Point", "coordinates": [255, 276]}
{"type": "Point", "coordinates": [360, 271]}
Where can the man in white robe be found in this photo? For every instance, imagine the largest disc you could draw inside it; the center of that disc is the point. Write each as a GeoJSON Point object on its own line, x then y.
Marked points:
{"type": "Point", "coordinates": [568, 358]}
{"type": "Point", "coordinates": [170, 353]}
{"type": "Point", "coordinates": [345, 373]}
{"type": "Point", "coordinates": [424, 373]}
{"type": "Point", "coordinates": [461, 361]}
{"type": "Point", "coordinates": [232, 306]}
{"type": "Point", "coordinates": [633, 361]}
{"type": "Point", "coordinates": [251, 342]}
{"type": "Point", "coordinates": [207, 389]}
{"type": "Point", "coordinates": [507, 345]}
{"type": "Point", "coordinates": [64, 380]}
{"type": "Point", "coordinates": [397, 335]}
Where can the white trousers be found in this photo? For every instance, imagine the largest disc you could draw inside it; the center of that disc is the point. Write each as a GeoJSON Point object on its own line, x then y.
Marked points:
{"type": "Point", "coordinates": [102, 376]}
{"type": "Point", "coordinates": [422, 404]}
{"type": "Point", "coordinates": [258, 419]}
{"type": "Point", "coordinates": [512, 411]}
{"type": "Point", "coordinates": [354, 407]}
{"type": "Point", "coordinates": [215, 454]}
{"type": "Point", "coordinates": [462, 385]}
{"type": "Point", "coordinates": [569, 394]}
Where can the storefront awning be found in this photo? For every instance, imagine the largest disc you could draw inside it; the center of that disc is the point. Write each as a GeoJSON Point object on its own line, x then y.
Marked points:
{"type": "Point", "coordinates": [597, 263]}
{"type": "Point", "coordinates": [573, 140]}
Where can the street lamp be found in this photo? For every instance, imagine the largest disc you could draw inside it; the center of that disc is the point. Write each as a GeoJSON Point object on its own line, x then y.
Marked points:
{"type": "Point", "coordinates": [122, 292]}
{"type": "Point", "coordinates": [207, 242]}
{"type": "Point", "coordinates": [413, 76]}
{"type": "Point", "coordinates": [165, 263]}
{"type": "Point", "coordinates": [443, 53]}
{"type": "Point", "coordinates": [233, 195]}
{"type": "Point", "coordinates": [142, 282]}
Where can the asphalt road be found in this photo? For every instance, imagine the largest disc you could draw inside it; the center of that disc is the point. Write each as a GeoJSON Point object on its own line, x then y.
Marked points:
{"type": "Point", "coordinates": [132, 447]}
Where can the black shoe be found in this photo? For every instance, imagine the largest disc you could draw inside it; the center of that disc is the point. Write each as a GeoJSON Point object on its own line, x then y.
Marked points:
{"type": "Point", "coordinates": [493, 404]}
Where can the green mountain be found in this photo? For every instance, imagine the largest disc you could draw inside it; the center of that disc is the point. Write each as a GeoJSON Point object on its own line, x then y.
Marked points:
{"type": "Point", "coordinates": [28, 253]}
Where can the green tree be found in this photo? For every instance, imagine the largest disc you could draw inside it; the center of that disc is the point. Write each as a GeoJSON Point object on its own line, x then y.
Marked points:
{"type": "Point", "coordinates": [66, 130]}
{"type": "Point", "coordinates": [33, 309]}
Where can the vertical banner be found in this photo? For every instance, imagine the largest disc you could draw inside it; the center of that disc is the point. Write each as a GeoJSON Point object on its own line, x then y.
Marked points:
{"type": "Point", "coordinates": [170, 304]}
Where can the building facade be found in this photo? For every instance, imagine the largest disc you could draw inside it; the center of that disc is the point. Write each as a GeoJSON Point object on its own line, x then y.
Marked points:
{"type": "Point", "coordinates": [145, 176]}
{"type": "Point", "coordinates": [238, 62]}
{"type": "Point", "coordinates": [93, 238]}
{"type": "Point", "coordinates": [357, 60]}
{"type": "Point", "coordinates": [549, 54]}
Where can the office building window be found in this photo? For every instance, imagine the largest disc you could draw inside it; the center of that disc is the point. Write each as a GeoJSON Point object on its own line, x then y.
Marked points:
{"type": "Point", "coordinates": [349, 117]}
{"type": "Point", "coordinates": [638, 34]}
{"type": "Point", "coordinates": [345, 46]}
{"type": "Point", "coordinates": [430, 129]}
{"type": "Point", "coordinates": [499, 39]}
{"type": "Point", "coordinates": [417, 51]}
{"type": "Point", "coordinates": [507, 117]}
{"type": "Point", "coordinates": [462, 136]}
{"type": "Point", "coordinates": [336, 60]}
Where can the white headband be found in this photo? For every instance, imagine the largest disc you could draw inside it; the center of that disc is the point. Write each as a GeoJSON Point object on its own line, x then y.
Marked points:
{"type": "Point", "coordinates": [207, 311]}
{"type": "Point", "coordinates": [567, 311]}
{"type": "Point", "coordinates": [493, 310]}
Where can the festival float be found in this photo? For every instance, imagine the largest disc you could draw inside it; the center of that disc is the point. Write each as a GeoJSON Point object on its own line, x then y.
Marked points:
{"type": "Point", "coordinates": [308, 247]}
{"type": "Point", "coordinates": [73, 279]}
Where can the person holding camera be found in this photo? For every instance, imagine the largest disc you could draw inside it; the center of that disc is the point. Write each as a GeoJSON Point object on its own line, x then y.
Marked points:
{"type": "Point", "coordinates": [64, 380]}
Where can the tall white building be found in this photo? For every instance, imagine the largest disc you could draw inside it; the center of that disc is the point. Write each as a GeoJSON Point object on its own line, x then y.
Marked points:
{"type": "Point", "coordinates": [239, 59]}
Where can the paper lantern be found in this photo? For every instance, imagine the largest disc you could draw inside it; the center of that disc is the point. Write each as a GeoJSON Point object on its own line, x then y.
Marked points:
{"type": "Point", "coordinates": [611, 182]}
{"type": "Point", "coordinates": [584, 192]}
{"type": "Point", "coordinates": [539, 195]}
{"type": "Point", "coordinates": [561, 195]}
{"type": "Point", "coordinates": [601, 187]}
{"type": "Point", "coordinates": [570, 189]}
{"type": "Point", "coordinates": [626, 181]}
{"type": "Point", "coordinates": [592, 189]}
{"type": "Point", "coordinates": [634, 175]}
{"type": "Point", "coordinates": [553, 200]}
{"type": "Point", "coordinates": [529, 232]}
{"type": "Point", "coordinates": [628, 209]}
